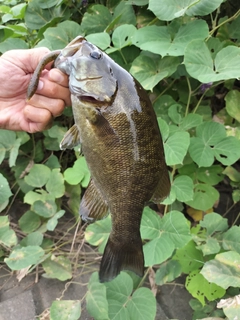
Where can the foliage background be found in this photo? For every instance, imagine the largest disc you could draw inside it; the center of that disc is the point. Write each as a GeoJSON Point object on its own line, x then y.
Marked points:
{"type": "Point", "coordinates": [187, 55]}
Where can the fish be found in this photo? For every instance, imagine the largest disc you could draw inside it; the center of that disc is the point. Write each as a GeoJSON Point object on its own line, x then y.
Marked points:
{"type": "Point", "coordinates": [117, 128]}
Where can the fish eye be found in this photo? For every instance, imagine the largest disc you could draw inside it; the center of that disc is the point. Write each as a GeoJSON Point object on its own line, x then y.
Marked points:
{"type": "Point", "coordinates": [96, 55]}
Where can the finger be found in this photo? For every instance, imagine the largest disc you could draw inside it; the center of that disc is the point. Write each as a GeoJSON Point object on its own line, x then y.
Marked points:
{"type": "Point", "coordinates": [27, 60]}
{"type": "Point", "coordinates": [59, 77]}
{"type": "Point", "coordinates": [39, 119]}
{"type": "Point", "coordinates": [54, 106]}
{"type": "Point", "coordinates": [54, 90]}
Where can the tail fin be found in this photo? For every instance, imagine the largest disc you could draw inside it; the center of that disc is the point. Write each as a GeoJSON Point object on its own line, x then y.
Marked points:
{"type": "Point", "coordinates": [119, 257]}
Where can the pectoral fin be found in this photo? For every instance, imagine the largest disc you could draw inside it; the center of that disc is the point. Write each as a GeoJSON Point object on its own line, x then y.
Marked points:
{"type": "Point", "coordinates": [163, 188]}
{"type": "Point", "coordinates": [71, 138]}
{"type": "Point", "coordinates": [93, 206]}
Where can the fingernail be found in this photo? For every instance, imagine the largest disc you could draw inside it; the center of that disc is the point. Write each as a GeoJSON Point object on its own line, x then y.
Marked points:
{"type": "Point", "coordinates": [56, 76]}
{"type": "Point", "coordinates": [40, 85]}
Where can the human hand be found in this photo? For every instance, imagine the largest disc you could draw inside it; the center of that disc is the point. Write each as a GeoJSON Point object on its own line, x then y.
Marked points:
{"type": "Point", "coordinates": [16, 69]}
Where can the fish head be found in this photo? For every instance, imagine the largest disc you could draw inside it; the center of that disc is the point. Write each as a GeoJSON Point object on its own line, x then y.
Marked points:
{"type": "Point", "coordinates": [90, 71]}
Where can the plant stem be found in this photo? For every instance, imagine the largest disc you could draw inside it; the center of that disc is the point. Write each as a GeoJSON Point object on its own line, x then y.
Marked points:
{"type": "Point", "coordinates": [221, 24]}
{"type": "Point", "coordinates": [166, 89]}
{"type": "Point", "coordinates": [199, 102]}
{"type": "Point", "coordinates": [152, 22]}
{"type": "Point", "coordinates": [143, 278]}
{"type": "Point", "coordinates": [235, 221]}
{"type": "Point", "coordinates": [125, 61]}
{"type": "Point", "coordinates": [189, 96]}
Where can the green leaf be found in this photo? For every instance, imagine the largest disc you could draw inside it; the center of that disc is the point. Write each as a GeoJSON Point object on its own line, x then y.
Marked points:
{"type": "Point", "coordinates": [74, 194]}
{"type": "Point", "coordinates": [149, 69]}
{"type": "Point", "coordinates": [57, 268]}
{"type": "Point", "coordinates": [202, 67]}
{"type": "Point", "coordinates": [65, 310]}
{"type": "Point", "coordinates": [24, 257]}
{"type": "Point", "coordinates": [36, 16]}
{"type": "Point", "coordinates": [214, 222]}
{"type": "Point", "coordinates": [11, 143]}
{"type": "Point", "coordinates": [96, 19]}
{"type": "Point", "coordinates": [53, 162]}
{"type": "Point", "coordinates": [2, 153]}
{"type": "Point", "coordinates": [79, 173]}
{"type": "Point", "coordinates": [172, 9]}
{"type": "Point", "coordinates": [210, 175]}
{"type": "Point", "coordinates": [52, 222]}
{"type": "Point", "coordinates": [45, 209]}
{"type": "Point", "coordinates": [189, 257]}
{"type": "Point", "coordinates": [192, 120]}
{"type": "Point", "coordinates": [55, 184]}
{"type": "Point", "coordinates": [183, 187]}
{"type": "Point", "coordinates": [60, 36]}
{"type": "Point", "coordinates": [175, 151]}
{"type": "Point", "coordinates": [174, 113]}
{"type": "Point", "coordinates": [31, 196]}
{"type": "Point", "coordinates": [97, 304]}
{"type": "Point", "coordinates": [211, 133]}
{"type": "Point", "coordinates": [150, 224]}
{"type": "Point", "coordinates": [18, 11]}
{"type": "Point", "coordinates": [32, 239]}
{"type": "Point", "coordinates": [7, 235]}
{"type": "Point", "coordinates": [126, 13]}
{"type": "Point", "coordinates": [227, 151]}
{"type": "Point", "coordinates": [168, 233]}
{"type": "Point", "coordinates": [123, 304]}
{"type": "Point", "coordinates": [167, 272]}
{"type": "Point", "coordinates": [38, 175]}
{"type": "Point", "coordinates": [14, 152]}
{"type": "Point", "coordinates": [232, 104]}
{"type": "Point", "coordinates": [204, 197]}
{"type": "Point", "coordinates": [208, 134]}
{"type": "Point", "coordinates": [200, 288]}
{"type": "Point", "coordinates": [231, 239]}
{"type": "Point", "coordinates": [142, 305]}
{"type": "Point", "coordinates": [210, 246]}
{"type": "Point", "coordinates": [164, 128]}
{"type": "Point", "coordinates": [122, 37]}
{"type": "Point", "coordinates": [177, 227]}
{"type": "Point", "coordinates": [200, 152]}
{"type": "Point", "coordinates": [7, 138]}
{"type": "Point", "coordinates": [12, 43]}
{"type": "Point", "coordinates": [223, 270]}
{"type": "Point", "coordinates": [5, 191]}
{"type": "Point", "coordinates": [160, 40]}
{"type": "Point", "coordinates": [98, 232]}
{"type": "Point", "coordinates": [47, 4]}
{"type": "Point", "coordinates": [158, 250]}
{"type": "Point", "coordinates": [137, 2]}
{"type": "Point", "coordinates": [100, 39]}
{"type": "Point", "coordinates": [120, 288]}
{"type": "Point", "coordinates": [232, 174]}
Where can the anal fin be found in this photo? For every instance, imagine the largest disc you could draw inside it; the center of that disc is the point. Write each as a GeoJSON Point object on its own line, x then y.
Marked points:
{"type": "Point", "coordinates": [163, 188]}
{"type": "Point", "coordinates": [93, 206]}
{"type": "Point", "coordinates": [71, 138]}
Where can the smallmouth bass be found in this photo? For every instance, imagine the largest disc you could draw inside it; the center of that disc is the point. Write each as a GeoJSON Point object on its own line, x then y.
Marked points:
{"type": "Point", "coordinates": [118, 131]}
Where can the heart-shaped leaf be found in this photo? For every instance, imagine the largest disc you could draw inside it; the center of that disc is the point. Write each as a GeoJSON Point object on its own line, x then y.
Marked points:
{"type": "Point", "coordinates": [200, 64]}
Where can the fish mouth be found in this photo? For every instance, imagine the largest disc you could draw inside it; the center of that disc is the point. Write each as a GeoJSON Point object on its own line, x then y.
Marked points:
{"type": "Point", "coordinates": [91, 99]}
{"type": "Point", "coordinates": [90, 78]}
